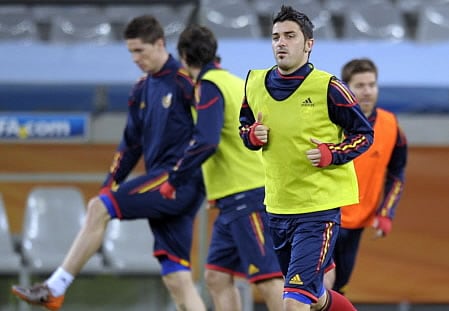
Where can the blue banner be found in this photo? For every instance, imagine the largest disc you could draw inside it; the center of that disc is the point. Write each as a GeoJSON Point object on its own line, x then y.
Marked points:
{"type": "Point", "coordinates": [44, 127]}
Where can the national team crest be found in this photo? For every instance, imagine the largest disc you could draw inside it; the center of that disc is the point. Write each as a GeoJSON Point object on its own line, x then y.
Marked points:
{"type": "Point", "coordinates": [166, 100]}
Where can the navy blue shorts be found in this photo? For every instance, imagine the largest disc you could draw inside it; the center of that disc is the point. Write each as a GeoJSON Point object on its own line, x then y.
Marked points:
{"type": "Point", "coordinates": [171, 221]}
{"type": "Point", "coordinates": [241, 244]}
{"type": "Point", "coordinates": [304, 244]}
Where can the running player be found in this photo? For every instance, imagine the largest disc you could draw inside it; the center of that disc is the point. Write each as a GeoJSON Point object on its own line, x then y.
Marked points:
{"type": "Point", "coordinates": [159, 128]}
{"type": "Point", "coordinates": [296, 114]}
{"type": "Point", "coordinates": [240, 245]}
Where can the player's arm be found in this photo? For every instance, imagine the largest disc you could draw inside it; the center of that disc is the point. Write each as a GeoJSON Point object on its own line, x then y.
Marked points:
{"type": "Point", "coordinates": [395, 177]}
{"type": "Point", "coordinates": [210, 118]}
{"type": "Point", "coordinates": [205, 140]}
{"type": "Point", "coordinates": [247, 127]}
{"type": "Point", "coordinates": [129, 150]}
{"type": "Point", "coordinates": [344, 111]}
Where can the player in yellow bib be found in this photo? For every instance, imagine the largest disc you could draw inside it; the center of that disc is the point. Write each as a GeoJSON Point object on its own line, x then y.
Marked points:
{"type": "Point", "coordinates": [297, 114]}
{"type": "Point", "coordinates": [240, 244]}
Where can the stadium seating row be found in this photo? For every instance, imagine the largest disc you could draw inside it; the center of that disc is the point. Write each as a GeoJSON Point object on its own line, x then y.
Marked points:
{"type": "Point", "coordinates": [394, 20]}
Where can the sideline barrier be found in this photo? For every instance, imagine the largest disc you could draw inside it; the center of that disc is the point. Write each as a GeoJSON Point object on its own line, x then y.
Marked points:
{"type": "Point", "coordinates": [100, 98]}
{"type": "Point", "coordinates": [418, 242]}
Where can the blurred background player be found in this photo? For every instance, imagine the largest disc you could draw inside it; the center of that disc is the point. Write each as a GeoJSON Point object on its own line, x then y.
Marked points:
{"type": "Point", "coordinates": [380, 173]}
{"type": "Point", "coordinates": [240, 245]}
{"type": "Point", "coordinates": [297, 115]}
{"type": "Point", "coordinates": [159, 128]}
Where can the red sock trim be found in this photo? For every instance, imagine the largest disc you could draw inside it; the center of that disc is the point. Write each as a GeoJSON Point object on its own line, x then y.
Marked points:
{"type": "Point", "coordinates": [337, 302]}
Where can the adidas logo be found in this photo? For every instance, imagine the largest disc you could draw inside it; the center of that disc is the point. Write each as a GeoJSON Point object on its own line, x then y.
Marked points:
{"type": "Point", "coordinates": [252, 269]}
{"type": "Point", "coordinates": [296, 280]}
{"type": "Point", "coordinates": [307, 102]}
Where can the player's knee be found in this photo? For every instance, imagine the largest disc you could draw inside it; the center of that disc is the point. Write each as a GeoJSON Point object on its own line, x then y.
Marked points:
{"type": "Point", "coordinates": [172, 283]}
{"type": "Point", "coordinates": [96, 210]}
{"type": "Point", "coordinates": [329, 279]}
{"type": "Point", "coordinates": [216, 279]}
{"type": "Point", "coordinates": [269, 286]}
{"type": "Point", "coordinates": [211, 278]}
{"type": "Point", "coordinates": [177, 282]}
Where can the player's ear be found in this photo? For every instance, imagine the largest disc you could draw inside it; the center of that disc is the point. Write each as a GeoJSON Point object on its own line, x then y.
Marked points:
{"type": "Point", "coordinates": [308, 44]}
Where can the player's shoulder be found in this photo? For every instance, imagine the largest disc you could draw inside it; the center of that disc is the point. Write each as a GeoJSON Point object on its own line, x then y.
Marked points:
{"type": "Point", "coordinates": [140, 82]}
{"type": "Point", "coordinates": [341, 91]}
{"type": "Point", "coordinates": [137, 90]}
{"type": "Point", "coordinates": [184, 82]}
{"type": "Point", "coordinates": [336, 82]}
{"type": "Point", "coordinates": [385, 111]}
{"type": "Point", "coordinates": [387, 116]}
{"type": "Point", "coordinates": [183, 75]}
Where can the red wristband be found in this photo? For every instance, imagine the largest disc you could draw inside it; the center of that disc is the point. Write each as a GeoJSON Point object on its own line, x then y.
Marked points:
{"type": "Point", "coordinates": [252, 137]}
{"type": "Point", "coordinates": [167, 191]}
{"type": "Point", "coordinates": [384, 224]}
{"type": "Point", "coordinates": [326, 155]}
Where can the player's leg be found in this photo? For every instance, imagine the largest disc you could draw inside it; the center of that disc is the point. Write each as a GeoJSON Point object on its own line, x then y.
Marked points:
{"type": "Point", "coordinates": [241, 244]}
{"type": "Point", "coordinates": [329, 278]}
{"type": "Point", "coordinates": [345, 254]}
{"type": "Point", "coordinates": [303, 286]}
{"type": "Point", "coordinates": [222, 264]}
{"type": "Point", "coordinates": [329, 274]}
{"type": "Point", "coordinates": [176, 271]}
{"type": "Point", "coordinates": [316, 233]}
{"type": "Point", "coordinates": [89, 238]}
{"type": "Point", "coordinates": [172, 246]}
{"type": "Point", "coordinates": [333, 301]}
{"type": "Point", "coordinates": [123, 203]}
{"type": "Point", "coordinates": [271, 291]}
{"type": "Point", "coordinates": [50, 294]}
{"type": "Point", "coordinates": [183, 291]}
{"type": "Point", "coordinates": [144, 201]}
{"type": "Point", "coordinates": [257, 256]}
{"type": "Point", "coordinates": [225, 295]}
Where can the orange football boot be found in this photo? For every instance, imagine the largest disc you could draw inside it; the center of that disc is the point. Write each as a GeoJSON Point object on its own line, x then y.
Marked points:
{"type": "Point", "coordinates": [38, 294]}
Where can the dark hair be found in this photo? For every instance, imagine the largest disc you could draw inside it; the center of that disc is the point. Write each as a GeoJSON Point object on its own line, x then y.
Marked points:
{"type": "Point", "coordinates": [145, 27]}
{"type": "Point", "coordinates": [197, 45]}
{"type": "Point", "coordinates": [287, 13]}
{"type": "Point", "coordinates": [358, 65]}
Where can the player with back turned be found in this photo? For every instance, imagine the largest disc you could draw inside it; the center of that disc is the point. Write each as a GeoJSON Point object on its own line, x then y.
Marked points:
{"type": "Point", "coordinates": [240, 244]}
